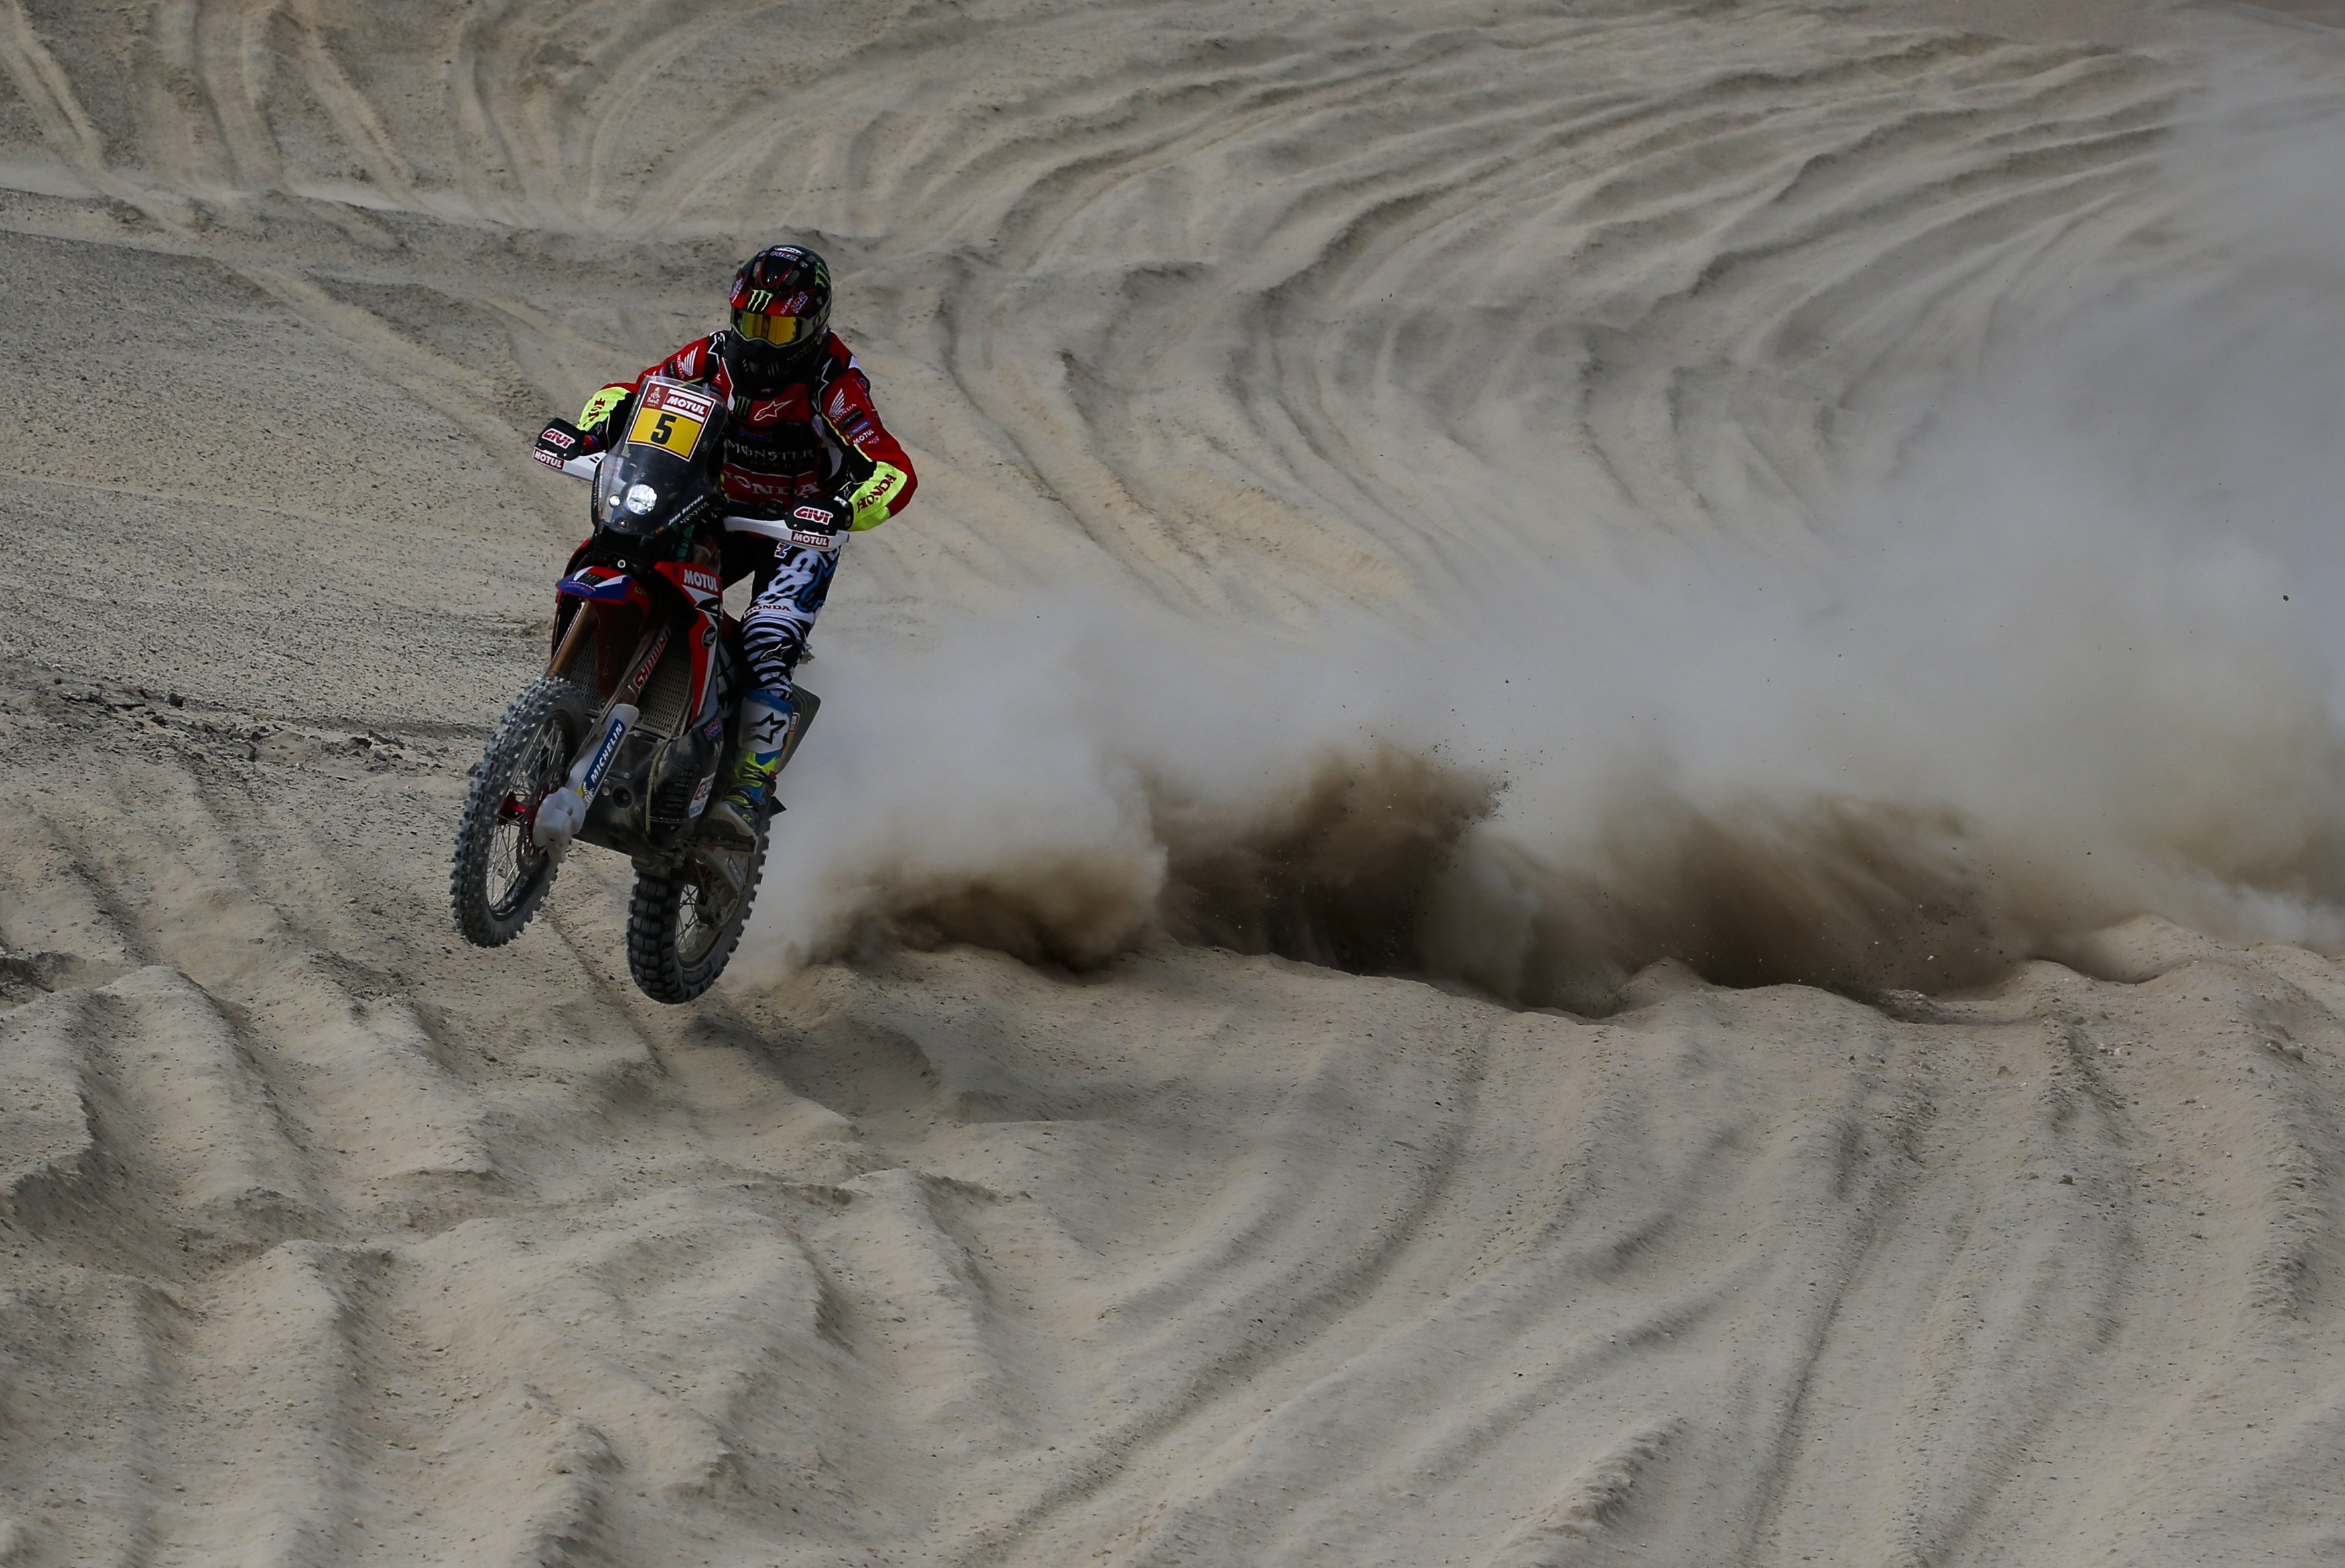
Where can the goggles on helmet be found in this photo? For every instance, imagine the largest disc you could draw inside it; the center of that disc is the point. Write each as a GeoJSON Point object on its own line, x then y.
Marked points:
{"type": "Point", "coordinates": [767, 328]}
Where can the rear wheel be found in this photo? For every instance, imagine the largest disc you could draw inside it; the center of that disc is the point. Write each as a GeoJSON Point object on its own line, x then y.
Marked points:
{"type": "Point", "coordinates": [499, 876]}
{"type": "Point", "coordinates": [685, 917]}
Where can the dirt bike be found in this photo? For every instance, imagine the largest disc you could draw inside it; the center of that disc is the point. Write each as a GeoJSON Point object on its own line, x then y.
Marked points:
{"type": "Point", "coordinates": [622, 741]}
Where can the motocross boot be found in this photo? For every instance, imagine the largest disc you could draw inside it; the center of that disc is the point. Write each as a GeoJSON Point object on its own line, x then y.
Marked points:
{"type": "Point", "coordinates": [765, 729]}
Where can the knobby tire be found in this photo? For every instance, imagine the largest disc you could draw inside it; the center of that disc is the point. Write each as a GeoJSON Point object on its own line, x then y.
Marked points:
{"type": "Point", "coordinates": [520, 743]}
{"type": "Point", "coordinates": [656, 919]}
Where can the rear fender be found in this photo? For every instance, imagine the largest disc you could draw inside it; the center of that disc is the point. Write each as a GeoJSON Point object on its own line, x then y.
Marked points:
{"type": "Point", "coordinates": [808, 705]}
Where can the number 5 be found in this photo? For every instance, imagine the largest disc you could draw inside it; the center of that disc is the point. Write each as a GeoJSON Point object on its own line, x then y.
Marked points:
{"type": "Point", "coordinates": [664, 432]}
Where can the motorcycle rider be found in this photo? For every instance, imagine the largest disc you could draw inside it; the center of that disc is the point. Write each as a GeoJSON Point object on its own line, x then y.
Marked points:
{"type": "Point", "coordinates": [804, 441]}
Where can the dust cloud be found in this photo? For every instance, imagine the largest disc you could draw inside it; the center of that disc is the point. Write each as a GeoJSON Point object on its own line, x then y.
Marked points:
{"type": "Point", "coordinates": [2071, 659]}
{"type": "Point", "coordinates": [1498, 493]}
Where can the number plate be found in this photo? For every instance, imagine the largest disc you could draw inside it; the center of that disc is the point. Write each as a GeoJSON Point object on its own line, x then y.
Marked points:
{"type": "Point", "coordinates": [671, 417]}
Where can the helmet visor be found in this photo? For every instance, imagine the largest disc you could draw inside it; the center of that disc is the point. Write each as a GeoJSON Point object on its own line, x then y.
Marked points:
{"type": "Point", "coordinates": [768, 327]}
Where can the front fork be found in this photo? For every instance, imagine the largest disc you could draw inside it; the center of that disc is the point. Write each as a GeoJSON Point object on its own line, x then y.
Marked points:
{"type": "Point", "coordinates": [561, 813]}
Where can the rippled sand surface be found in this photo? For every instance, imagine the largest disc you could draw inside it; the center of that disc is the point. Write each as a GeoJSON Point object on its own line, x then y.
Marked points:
{"type": "Point", "coordinates": [1192, 1096]}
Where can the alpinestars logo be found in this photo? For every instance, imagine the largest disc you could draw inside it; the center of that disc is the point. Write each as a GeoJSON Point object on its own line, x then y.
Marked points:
{"type": "Point", "coordinates": [767, 728]}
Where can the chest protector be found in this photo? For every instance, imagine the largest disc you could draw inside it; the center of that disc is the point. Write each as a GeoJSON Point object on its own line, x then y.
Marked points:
{"type": "Point", "coordinates": [775, 449]}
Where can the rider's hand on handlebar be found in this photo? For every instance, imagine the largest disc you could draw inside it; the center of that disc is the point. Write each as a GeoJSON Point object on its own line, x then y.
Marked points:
{"type": "Point", "coordinates": [560, 442]}
{"type": "Point", "coordinates": [827, 516]}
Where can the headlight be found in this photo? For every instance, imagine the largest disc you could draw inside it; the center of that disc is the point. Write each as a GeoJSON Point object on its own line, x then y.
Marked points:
{"type": "Point", "coordinates": [640, 498]}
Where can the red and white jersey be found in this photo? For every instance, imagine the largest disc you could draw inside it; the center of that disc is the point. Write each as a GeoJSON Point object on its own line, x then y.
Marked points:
{"type": "Point", "coordinates": [810, 438]}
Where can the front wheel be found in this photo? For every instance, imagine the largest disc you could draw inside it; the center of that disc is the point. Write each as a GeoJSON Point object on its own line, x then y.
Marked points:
{"type": "Point", "coordinates": [685, 917]}
{"type": "Point", "coordinates": [499, 876]}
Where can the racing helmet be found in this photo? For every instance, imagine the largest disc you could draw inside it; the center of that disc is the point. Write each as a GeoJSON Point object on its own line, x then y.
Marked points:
{"type": "Point", "coordinates": [781, 308]}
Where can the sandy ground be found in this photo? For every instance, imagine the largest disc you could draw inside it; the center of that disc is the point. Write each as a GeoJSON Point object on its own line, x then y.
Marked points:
{"type": "Point", "coordinates": [325, 1238]}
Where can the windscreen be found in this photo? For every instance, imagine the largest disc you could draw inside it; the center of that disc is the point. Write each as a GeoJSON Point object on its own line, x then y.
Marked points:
{"type": "Point", "coordinates": [652, 469]}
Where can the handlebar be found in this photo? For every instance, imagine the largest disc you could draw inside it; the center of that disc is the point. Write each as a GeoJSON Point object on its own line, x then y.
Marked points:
{"type": "Point", "coordinates": [784, 531]}
{"type": "Point", "coordinates": [781, 528]}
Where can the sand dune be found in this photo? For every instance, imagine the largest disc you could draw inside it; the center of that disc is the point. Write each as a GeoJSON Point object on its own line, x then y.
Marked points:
{"type": "Point", "coordinates": [1465, 550]}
